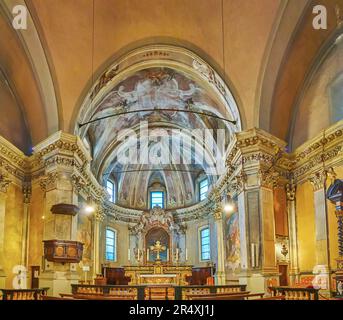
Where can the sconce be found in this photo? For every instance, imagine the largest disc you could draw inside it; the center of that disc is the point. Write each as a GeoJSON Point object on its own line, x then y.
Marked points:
{"type": "Point", "coordinates": [284, 250]}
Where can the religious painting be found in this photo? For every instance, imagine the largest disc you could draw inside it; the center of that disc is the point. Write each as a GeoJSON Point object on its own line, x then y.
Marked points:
{"type": "Point", "coordinates": [84, 235]}
{"type": "Point", "coordinates": [154, 235]}
{"type": "Point", "coordinates": [232, 241]}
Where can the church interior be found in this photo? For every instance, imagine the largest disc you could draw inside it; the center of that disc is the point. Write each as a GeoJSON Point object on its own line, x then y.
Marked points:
{"type": "Point", "coordinates": [172, 150]}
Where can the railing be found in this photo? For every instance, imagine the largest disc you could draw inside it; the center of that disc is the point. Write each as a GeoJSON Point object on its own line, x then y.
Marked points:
{"type": "Point", "coordinates": [182, 292]}
{"type": "Point", "coordinates": [23, 294]}
{"type": "Point", "coordinates": [143, 292]}
{"type": "Point", "coordinates": [119, 291]}
{"type": "Point", "coordinates": [296, 293]}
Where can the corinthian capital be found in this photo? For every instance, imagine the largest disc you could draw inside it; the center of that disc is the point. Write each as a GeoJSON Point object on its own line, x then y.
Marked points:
{"type": "Point", "coordinates": [318, 180]}
{"type": "Point", "coordinates": [100, 214]}
{"type": "Point", "coordinates": [218, 213]}
{"type": "Point", "coordinates": [290, 191]}
{"type": "Point", "coordinates": [4, 182]}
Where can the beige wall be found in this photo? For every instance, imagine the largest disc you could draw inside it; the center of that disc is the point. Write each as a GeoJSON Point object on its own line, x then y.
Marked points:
{"type": "Point", "coordinates": [306, 226]}
{"type": "Point", "coordinates": [13, 231]}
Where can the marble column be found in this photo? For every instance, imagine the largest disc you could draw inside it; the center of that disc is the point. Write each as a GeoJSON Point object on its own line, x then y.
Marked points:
{"type": "Point", "coordinates": [322, 268]}
{"type": "Point", "coordinates": [220, 267]}
{"type": "Point", "coordinates": [58, 189]}
{"type": "Point", "coordinates": [257, 238]}
{"type": "Point", "coordinates": [292, 229]}
{"type": "Point", "coordinates": [97, 222]}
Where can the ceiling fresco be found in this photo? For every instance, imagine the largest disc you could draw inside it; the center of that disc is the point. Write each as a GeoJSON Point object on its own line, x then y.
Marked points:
{"type": "Point", "coordinates": [171, 136]}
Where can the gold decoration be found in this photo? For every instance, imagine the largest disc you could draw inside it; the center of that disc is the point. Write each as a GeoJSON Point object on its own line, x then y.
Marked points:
{"type": "Point", "coordinates": [290, 191]}
{"type": "Point", "coordinates": [158, 248]}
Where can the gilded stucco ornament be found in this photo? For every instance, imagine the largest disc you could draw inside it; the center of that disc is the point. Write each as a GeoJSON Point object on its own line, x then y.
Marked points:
{"type": "Point", "coordinates": [290, 191]}
{"type": "Point", "coordinates": [318, 180]}
{"type": "Point", "coordinates": [4, 182]}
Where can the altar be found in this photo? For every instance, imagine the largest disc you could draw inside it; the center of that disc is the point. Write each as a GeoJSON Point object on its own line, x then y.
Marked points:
{"type": "Point", "coordinates": [158, 279]}
{"type": "Point", "coordinates": [159, 274]}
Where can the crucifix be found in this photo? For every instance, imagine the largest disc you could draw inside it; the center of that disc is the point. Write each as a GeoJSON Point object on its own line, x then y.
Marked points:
{"type": "Point", "coordinates": [157, 248]}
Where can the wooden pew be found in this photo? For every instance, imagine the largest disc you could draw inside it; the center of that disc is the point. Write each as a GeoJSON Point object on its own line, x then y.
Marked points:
{"type": "Point", "coordinates": [296, 293]}
{"type": "Point", "coordinates": [23, 294]}
{"type": "Point", "coordinates": [226, 296]}
{"type": "Point", "coordinates": [90, 296]}
{"type": "Point", "coordinates": [214, 295]}
{"type": "Point", "coordinates": [273, 298]}
{"type": "Point", "coordinates": [56, 298]}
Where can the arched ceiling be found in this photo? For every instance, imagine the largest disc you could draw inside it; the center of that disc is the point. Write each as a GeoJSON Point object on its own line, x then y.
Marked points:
{"type": "Point", "coordinates": [66, 30]}
{"type": "Point", "coordinates": [263, 49]}
{"type": "Point", "coordinates": [160, 94]}
{"type": "Point", "coordinates": [301, 56]}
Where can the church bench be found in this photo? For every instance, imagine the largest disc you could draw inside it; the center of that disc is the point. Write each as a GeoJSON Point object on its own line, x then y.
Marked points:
{"type": "Point", "coordinates": [296, 293]}
{"type": "Point", "coordinates": [273, 298]}
{"type": "Point", "coordinates": [212, 295]}
{"type": "Point", "coordinates": [23, 294]}
{"type": "Point", "coordinates": [57, 298]}
{"type": "Point", "coordinates": [245, 296]}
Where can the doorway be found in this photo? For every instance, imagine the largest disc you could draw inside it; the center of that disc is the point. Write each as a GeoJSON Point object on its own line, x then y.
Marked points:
{"type": "Point", "coordinates": [35, 270]}
{"type": "Point", "coordinates": [283, 274]}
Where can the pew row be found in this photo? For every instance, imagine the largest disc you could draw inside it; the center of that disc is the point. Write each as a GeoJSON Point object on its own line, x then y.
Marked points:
{"type": "Point", "coordinates": [295, 293]}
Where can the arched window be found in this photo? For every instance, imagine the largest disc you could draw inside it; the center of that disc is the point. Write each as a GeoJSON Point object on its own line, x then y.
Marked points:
{"type": "Point", "coordinates": [111, 189]}
{"type": "Point", "coordinates": [205, 246]}
{"type": "Point", "coordinates": [203, 189]}
{"type": "Point", "coordinates": [111, 245]}
{"type": "Point", "coordinates": [156, 199]}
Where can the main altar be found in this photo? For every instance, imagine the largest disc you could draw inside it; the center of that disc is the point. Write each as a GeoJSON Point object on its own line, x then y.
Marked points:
{"type": "Point", "coordinates": [158, 250]}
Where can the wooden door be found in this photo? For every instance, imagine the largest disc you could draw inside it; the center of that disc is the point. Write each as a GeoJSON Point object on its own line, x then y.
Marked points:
{"type": "Point", "coordinates": [283, 278]}
{"type": "Point", "coordinates": [35, 277]}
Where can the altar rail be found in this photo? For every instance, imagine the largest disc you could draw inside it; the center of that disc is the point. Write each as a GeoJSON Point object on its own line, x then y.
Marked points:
{"type": "Point", "coordinates": [296, 293]}
{"type": "Point", "coordinates": [142, 292]}
{"type": "Point", "coordinates": [23, 294]}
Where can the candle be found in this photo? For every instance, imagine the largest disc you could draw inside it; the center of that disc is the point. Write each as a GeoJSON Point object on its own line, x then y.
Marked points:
{"type": "Point", "coordinates": [186, 254]}
{"type": "Point", "coordinates": [128, 254]}
{"type": "Point", "coordinates": [147, 255]}
{"type": "Point", "coordinates": [167, 254]}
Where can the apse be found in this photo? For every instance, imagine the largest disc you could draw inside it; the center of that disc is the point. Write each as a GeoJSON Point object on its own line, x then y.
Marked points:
{"type": "Point", "coordinates": [158, 121]}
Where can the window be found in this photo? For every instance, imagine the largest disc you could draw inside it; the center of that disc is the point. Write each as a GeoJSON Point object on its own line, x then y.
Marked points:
{"type": "Point", "coordinates": [205, 251]}
{"type": "Point", "coordinates": [111, 245]}
{"type": "Point", "coordinates": [156, 199]}
{"type": "Point", "coordinates": [110, 186]}
{"type": "Point", "coordinates": [203, 188]}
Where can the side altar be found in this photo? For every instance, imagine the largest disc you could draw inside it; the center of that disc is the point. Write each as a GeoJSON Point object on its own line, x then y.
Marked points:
{"type": "Point", "coordinates": [157, 250]}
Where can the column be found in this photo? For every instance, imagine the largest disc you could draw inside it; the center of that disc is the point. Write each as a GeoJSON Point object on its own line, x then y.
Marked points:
{"type": "Point", "coordinates": [26, 222]}
{"type": "Point", "coordinates": [257, 233]}
{"type": "Point", "coordinates": [98, 219]}
{"type": "Point", "coordinates": [292, 229]}
{"type": "Point", "coordinates": [335, 195]}
{"type": "Point", "coordinates": [220, 267]}
{"type": "Point", "coordinates": [4, 184]}
{"type": "Point", "coordinates": [322, 268]}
